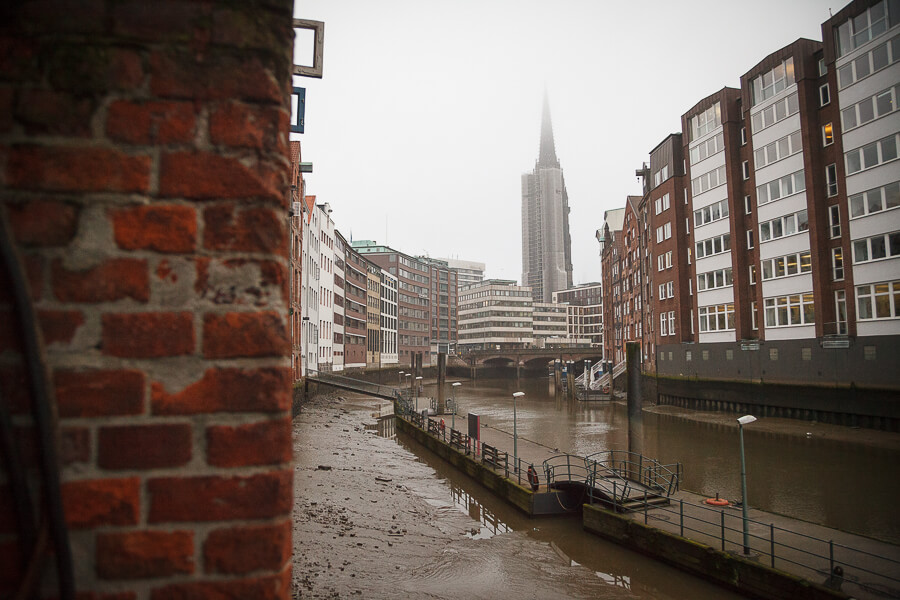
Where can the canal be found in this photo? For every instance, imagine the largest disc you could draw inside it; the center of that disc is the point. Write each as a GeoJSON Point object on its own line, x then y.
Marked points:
{"type": "Point", "coordinates": [841, 477]}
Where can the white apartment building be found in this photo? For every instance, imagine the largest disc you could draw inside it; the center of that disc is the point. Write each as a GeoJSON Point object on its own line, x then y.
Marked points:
{"type": "Point", "coordinates": [495, 314]}
{"type": "Point", "coordinates": [337, 347]}
{"type": "Point", "coordinates": [389, 354]}
{"type": "Point", "coordinates": [311, 285]}
{"type": "Point", "coordinates": [325, 351]}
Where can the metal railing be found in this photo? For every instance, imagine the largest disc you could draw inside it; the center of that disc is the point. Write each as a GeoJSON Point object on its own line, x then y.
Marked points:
{"type": "Point", "coordinates": [359, 385]}
{"type": "Point", "coordinates": [649, 472]}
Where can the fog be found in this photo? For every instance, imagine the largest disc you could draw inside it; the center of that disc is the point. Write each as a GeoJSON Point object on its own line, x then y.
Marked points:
{"type": "Point", "coordinates": [429, 112]}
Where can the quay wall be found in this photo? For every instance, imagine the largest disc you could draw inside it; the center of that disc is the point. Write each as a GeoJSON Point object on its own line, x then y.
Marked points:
{"type": "Point", "coordinates": [741, 575]}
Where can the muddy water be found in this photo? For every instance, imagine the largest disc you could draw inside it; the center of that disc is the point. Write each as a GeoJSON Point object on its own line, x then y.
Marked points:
{"type": "Point", "coordinates": [837, 476]}
{"type": "Point", "coordinates": [380, 517]}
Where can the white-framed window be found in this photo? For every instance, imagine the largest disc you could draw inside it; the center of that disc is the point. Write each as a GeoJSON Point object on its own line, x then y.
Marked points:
{"type": "Point", "coordinates": [878, 301]}
{"type": "Point", "coordinates": [837, 263]}
{"type": "Point", "coordinates": [708, 181]}
{"type": "Point", "coordinates": [714, 279]}
{"type": "Point", "coordinates": [834, 221]}
{"type": "Point", "coordinates": [671, 322]}
{"type": "Point", "coordinates": [823, 68]}
{"type": "Point", "coordinates": [717, 317]}
{"type": "Point", "coordinates": [662, 324]}
{"type": "Point", "coordinates": [705, 122]}
{"type": "Point", "coordinates": [662, 204]}
{"type": "Point", "coordinates": [790, 184]}
{"type": "Point", "coordinates": [670, 289]}
{"type": "Point", "coordinates": [743, 136]}
{"type": "Point", "coordinates": [749, 239]}
{"type": "Point", "coordinates": [886, 245]}
{"type": "Point", "coordinates": [713, 212]}
{"type": "Point", "coordinates": [774, 113]}
{"type": "Point", "coordinates": [840, 306]}
{"type": "Point", "coordinates": [777, 150]}
{"type": "Point", "coordinates": [872, 61]}
{"type": "Point", "coordinates": [754, 322]}
{"type": "Point", "coordinates": [748, 205]}
{"type": "Point", "coordinates": [687, 225]}
{"type": "Point", "coordinates": [785, 266]}
{"type": "Point", "coordinates": [772, 82]}
{"type": "Point", "coordinates": [881, 104]}
{"type": "Point", "coordinates": [784, 226]}
{"type": "Point", "coordinates": [831, 183]}
{"type": "Point", "coordinates": [789, 311]}
{"type": "Point", "coordinates": [668, 256]}
{"type": "Point", "coordinates": [824, 95]}
{"type": "Point", "coordinates": [714, 245]}
{"type": "Point", "coordinates": [745, 169]}
{"type": "Point", "coordinates": [872, 154]}
{"type": "Point", "coordinates": [827, 134]}
{"type": "Point", "coordinates": [751, 269]}
{"type": "Point", "coordinates": [875, 200]}
{"type": "Point", "coordinates": [662, 291]}
{"type": "Point", "coordinates": [690, 287]}
{"type": "Point", "coordinates": [862, 28]}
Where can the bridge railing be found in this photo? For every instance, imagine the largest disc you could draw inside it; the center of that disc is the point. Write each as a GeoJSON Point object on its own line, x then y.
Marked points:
{"type": "Point", "coordinates": [566, 468]}
{"type": "Point", "coordinates": [349, 382]}
{"type": "Point", "coordinates": [649, 472]}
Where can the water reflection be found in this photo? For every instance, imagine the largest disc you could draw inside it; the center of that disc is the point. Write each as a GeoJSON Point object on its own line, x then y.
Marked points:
{"type": "Point", "coordinates": [788, 472]}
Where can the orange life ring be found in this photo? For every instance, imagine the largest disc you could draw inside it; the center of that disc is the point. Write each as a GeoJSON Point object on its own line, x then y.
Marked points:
{"type": "Point", "coordinates": [442, 424]}
{"type": "Point", "coordinates": [605, 389]}
{"type": "Point", "coordinates": [717, 501]}
{"type": "Point", "coordinates": [533, 478]}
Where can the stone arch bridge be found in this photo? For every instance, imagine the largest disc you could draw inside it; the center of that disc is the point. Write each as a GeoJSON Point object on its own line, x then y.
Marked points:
{"type": "Point", "coordinates": [530, 358]}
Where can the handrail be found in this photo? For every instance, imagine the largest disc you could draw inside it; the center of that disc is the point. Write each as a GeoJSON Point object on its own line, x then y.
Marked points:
{"type": "Point", "coordinates": [358, 384]}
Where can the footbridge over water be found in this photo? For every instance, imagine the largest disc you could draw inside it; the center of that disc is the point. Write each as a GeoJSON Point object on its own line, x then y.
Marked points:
{"type": "Point", "coordinates": [355, 385]}
{"type": "Point", "coordinates": [531, 358]}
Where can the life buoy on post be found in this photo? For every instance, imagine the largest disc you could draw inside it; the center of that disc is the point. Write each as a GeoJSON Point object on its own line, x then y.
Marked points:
{"type": "Point", "coordinates": [533, 478]}
{"type": "Point", "coordinates": [442, 425]}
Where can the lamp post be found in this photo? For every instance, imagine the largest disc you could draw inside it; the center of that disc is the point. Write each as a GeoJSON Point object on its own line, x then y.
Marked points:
{"type": "Point", "coordinates": [418, 379]}
{"type": "Point", "coordinates": [305, 322]}
{"type": "Point", "coordinates": [516, 432]}
{"type": "Point", "coordinates": [745, 420]}
{"type": "Point", "coordinates": [454, 385]}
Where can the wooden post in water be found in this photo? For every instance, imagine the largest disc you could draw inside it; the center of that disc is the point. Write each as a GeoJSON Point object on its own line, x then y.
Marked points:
{"type": "Point", "coordinates": [570, 380]}
{"type": "Point", "coordinates": [557, 375]}
{"type": "Point", "coordinates": [441, 378]}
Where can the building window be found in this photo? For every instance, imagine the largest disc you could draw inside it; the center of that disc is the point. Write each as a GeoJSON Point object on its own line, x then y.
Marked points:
{"type": "Point", "coordinates": [885, 245]}
{"type": "Point", "coordinates": [662, 204]}
{"type": "Point", "coordinates": [840, 306]}
{"type": "Point", "coordinates": [708, 180]}
{"type": "Point", "coordinates": [824, 95]}
{"type": "Point", "coordinates": [714, 279]}
{"type": "Point", "coordinates": [671, 322]}
{"type": "Point", "coordinates": [662, 325]}
{"type": "Point", "coordinates": [743, 136]}
{"type": "Point", "coordinates": [827, 134]}
{"type": "Point", "coordinates": [754, 324]}
{"type": "Point", "coordinates": [745, 169]}
{"type": "Point", "coordinates": [748, 205]}
{"type": "Point", "coordinates": [777, 150]}
{"type": "Point", "coordinates": [706, 121]}
{"type": "Point", "coordinates": [834, 220]}
{"type": "Point", "coordinates": [783, 226]}
{"type": "Point", "coordinates": [879, 105]}
{"type": "Point", "coordinates": [718, 317]}
{"type": "Point", "coordinates": [823, 69]}
{"type": "Point", "coordinates": [774, 113]}
{"type": "Point", "coordinates": [874, 60]}
{"type": "Point", "coordinates": [752, 272]}
{"type": "Point", "coordinates": [878, 301]}
{"type": "Point", "coordinates": [862, 28]}
{"type": "Point", "coordinates": [782, 187]}
{"type": "Point", "coordinates": [715, 245]}
{"type": "Point", "coordinates": [772, 82]}
{"type": "Point", "coordinates": [875, 200]}
{"type": "Point", "coordinates": [788, 311]}
{"type": "Point", "coordinates": [831, 183]}
{"type": "Point", "coordinates": [785, 266]}
{"type": "Point", "coordinates": [713, 212]}
{"type": "Point", "coordinates": [837, 263]}
{"type": "Point", "coordinates": [749, 239]}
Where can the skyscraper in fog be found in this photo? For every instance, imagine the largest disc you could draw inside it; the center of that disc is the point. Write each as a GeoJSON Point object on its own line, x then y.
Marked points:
{"type": "Point", "coordinates": [546, 244]}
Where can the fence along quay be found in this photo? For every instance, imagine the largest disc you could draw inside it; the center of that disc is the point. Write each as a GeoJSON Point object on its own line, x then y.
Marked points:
{"type": "Point", "coordinates": [635, 501]}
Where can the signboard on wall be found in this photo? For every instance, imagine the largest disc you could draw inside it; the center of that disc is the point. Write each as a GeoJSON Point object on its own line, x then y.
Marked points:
{"type": "Point", "coordinates": [474, 426]}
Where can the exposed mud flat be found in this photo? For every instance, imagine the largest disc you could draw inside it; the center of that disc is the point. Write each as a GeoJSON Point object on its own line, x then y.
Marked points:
{"type": "Point", "coordinates": [372, 521]}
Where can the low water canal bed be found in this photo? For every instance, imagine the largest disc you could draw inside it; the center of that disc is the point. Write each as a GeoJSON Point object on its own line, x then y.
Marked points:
{"type": "Point", "coordinates": [380, 517]}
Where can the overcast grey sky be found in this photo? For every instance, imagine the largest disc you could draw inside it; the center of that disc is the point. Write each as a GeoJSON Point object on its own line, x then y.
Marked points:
{"type": "Point", "coordinates": [429, 112]}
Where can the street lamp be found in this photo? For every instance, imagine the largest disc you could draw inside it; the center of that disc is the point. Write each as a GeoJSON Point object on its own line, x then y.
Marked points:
{"type": "Point", "coordinates": [418, 379]}
{"type": "Point", "coordinates": [516, 432]}
{"type": "Point", "coordinates": [454, 385]}
{"type": "Point", "coordinates": [745, 420]}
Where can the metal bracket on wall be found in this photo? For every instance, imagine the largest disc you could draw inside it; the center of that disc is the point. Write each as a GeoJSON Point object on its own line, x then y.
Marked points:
{"type": "Point", "coordinates": [318, 28]}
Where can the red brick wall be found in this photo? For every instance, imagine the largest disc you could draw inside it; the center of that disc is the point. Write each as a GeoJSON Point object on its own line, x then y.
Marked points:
{"type": "Point", "coordinates": [145, 170]}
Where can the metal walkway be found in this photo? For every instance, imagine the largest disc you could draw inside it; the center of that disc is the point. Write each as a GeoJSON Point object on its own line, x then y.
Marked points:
{"type": "Point", "coordinates": [617, 479]}
{"type": "Point", "coordinates": [355, 385]}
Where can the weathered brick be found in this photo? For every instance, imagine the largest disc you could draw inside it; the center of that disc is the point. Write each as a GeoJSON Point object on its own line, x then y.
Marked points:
{"type": "Point", "coordinates": [227, 390]}
{"type": "Point", "coordinates": [148, 335]}
{"type": "Point", "coordinates": [151, 122]}
{"type": "Point", "coordinates": [43, 222]}
{"type": "Point", "coordinates": [242, 26]}
{"type": "Point", "coordinates": [97, 502]}
{"type": "Point", "coordinates": [59, 325]}
{"type": "Point", "coordinates": [277, 587]}
{"type": "Point", "coordinates": [247, 334]}
{"type": "Point", "coordinates": [115, 279]}
{"type": "Point", "coordinates": [158, 21]}
{"type": "Point", "coordinates": [141, 554]}
{"type": "Point", "coordinates": [264, 443]}
{"type": "Point", "coordinates": [164, 228]}
{"type": "Point", "coordinates": [175, 73]}
{"type": "Point", "coordinates": [74, 445]}
{"type": "Point", "coordinates": [174, 499]}
{"type": "Point", "coordinates": [205, 176]}
{"type": "Point", "coordinates": [62, 16]}
{"type": "Point", "coordinates": [144, 446]}
{"type": "Point", "coordinates": [54, 112]}
{"type": "Point", "coordinates": [242, 125]}
{"type": "Point", "coordinates": [241, 281]}
{"type": "Point", "coordinates": [255, 229]}
{"type": "Point", "coordinates": [34, 272]}
{"type": "Point", "coordinates": [76, 169]}
{"type": "Point", "coordinates": [99, 393]}
{"type": "Point", "coordinates": [241, 550]}
{"type": "Point", "coordinates": [91, 68]}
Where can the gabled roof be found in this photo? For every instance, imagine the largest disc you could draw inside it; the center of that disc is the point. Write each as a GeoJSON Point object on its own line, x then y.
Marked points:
{"type": "Point", "coordinates": [310, 205]}
{"type": "Point", "coordinates": [614, 219]}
